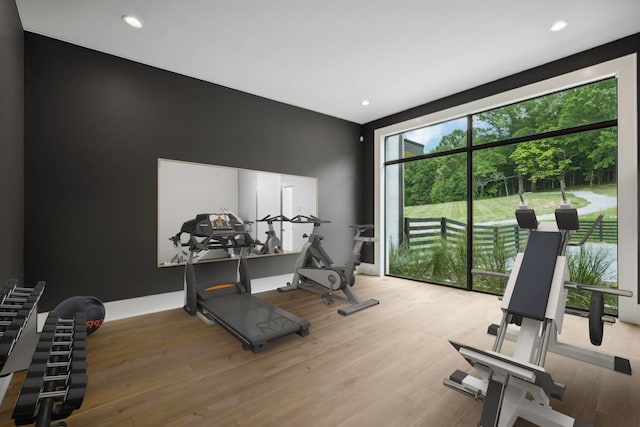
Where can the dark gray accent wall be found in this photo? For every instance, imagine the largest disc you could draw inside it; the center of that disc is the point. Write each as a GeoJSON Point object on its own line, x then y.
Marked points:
{"type": "Point", "coordinates": [616, 49]}
{"type": "Point", "coordinates": [11, 141]}
{"type": "Point", "coordinates": [95, 127]}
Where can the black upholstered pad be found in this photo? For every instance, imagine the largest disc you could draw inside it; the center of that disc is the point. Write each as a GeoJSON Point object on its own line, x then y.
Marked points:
{"type": "Point", "coordinates": [533, 284]}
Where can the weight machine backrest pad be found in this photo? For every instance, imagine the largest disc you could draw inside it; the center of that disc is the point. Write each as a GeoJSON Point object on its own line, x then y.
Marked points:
{"type": "Point", "coordinates": [527, 219]}
{"type": "Point", "coordinates": [567, 219]}
{"type": "Point", "coordinates": [534, 280]}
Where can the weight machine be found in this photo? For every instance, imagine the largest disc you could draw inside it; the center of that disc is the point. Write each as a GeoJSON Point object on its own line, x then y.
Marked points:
{"type": "Point", "coordinates": [534, 299]}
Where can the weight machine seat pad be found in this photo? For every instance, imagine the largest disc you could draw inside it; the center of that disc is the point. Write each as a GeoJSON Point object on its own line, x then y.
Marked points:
{"type": "Point", "coordinates": [256, 320]}
{"type": "Point", "coordinates": [533, 283]}
{"type": "Point", "coordinates": [542, 378]}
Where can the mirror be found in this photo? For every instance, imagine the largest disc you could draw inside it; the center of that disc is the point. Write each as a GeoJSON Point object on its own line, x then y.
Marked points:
{"type": "Point", "coordinates": [186, 189]}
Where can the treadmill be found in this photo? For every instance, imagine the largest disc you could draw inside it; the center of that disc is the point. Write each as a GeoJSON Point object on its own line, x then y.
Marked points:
{"type": "Point", "coordinates": [230, 304]}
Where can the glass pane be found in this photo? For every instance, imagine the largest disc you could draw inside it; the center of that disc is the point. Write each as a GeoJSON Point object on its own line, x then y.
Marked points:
{"type": "Point", "coordinates": [496, 235]}
{"type": "Point", "coordinates": [583, 105]}
{"type": "Point", "coordinates": [426, 213]}
{"type": "Point", "coordinates": [585, 164]}
{"type": "Point", "coordinates": [392, 148]}
{"type": "Point", "coordinates": [429, 139]}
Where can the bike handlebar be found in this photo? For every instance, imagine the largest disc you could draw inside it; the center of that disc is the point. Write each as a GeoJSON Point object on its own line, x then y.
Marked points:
{"type": "Point", "coordinates": [310, 219]}
{"type": "Point", "coordinates": [270, 218]}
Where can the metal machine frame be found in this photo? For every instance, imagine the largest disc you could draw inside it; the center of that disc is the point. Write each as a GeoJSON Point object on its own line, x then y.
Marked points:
{"type": "Point", "coordinates": [535, 298]}
{"type": "Point", "coordinates": [314, 267]}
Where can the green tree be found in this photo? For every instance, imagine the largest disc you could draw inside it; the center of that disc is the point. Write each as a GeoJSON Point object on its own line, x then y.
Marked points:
{"type": "Point", "coordinates": [557, 157]}
{"type": "Point", "coordinates": [450, 183]}
{"type": "Point", "coordinates": [419, 177]}
{"type": "Point", "coordinates": [591, 153]}
{"type": "Point", "coordinates": [491, 169]}
{"type": "Point", "coordinates": [546, 158]}
{"type": "Point", "coordinates": [590, 104]}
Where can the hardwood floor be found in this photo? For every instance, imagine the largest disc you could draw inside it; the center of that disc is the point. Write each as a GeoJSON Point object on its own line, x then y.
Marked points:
{"type": "Point", "coordinates": [380, 367]}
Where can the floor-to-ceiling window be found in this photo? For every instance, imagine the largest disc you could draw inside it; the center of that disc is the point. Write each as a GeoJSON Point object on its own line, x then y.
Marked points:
{"type": "Point", "coordinates": [534, 149]}
{"type": "Point", "coordinates": [451, 187]}
{"type": "Point", "coordinates": [426, 204]}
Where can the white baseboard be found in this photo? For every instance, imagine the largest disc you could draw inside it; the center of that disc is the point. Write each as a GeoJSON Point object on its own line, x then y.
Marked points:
{"type": "Point", "coordinates": [368, 269]}
{"type": "Point", "coordinates": [122, 309]}
{"type": "Point", "coordinates": [272, 283]}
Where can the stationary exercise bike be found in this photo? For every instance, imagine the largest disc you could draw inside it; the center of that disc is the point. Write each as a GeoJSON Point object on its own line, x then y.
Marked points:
{"type": "Point", "coordinates": [315, 267]}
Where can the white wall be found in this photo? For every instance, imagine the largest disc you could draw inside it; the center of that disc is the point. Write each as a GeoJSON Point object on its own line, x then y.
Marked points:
{"type": "Point", "coordinates": [186, 189]}
{"type": "Point", "coordinates": [248, 197]}
{"type": "Point", "coordinates": [269, 203]}
{"type": "Point", "coordinates": [304, 201]}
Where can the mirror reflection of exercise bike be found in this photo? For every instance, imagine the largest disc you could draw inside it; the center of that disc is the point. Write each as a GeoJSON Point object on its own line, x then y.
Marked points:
{"type": "Point", "coordinates": [314, 268]}
{"type": "Point", "coordinates": [273, 244]}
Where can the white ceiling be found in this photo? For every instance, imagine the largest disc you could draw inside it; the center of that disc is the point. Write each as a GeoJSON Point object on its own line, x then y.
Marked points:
{"type": "Point", "coordinates": [328, 56]}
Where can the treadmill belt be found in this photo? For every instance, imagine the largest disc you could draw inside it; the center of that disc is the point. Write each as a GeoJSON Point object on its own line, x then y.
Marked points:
{"type": "Point", "coordinates": [253, 319]}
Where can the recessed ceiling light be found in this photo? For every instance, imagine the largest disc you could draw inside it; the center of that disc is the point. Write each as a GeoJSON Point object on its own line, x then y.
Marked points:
{"type": "Point", "coordinates": [558, 25]}
{"type": "Point", "coordinates": [365, 102]}
{"type": "Point", "coordinates": [132, 20]}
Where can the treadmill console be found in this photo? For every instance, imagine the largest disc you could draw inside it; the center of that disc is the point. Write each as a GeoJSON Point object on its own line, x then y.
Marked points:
{"type": "Point", "coordinates": [220, 222]}
{"type": "Point", "coordinates": [216, 224]}
{"type": "Point", "coordinates": [208, 231]}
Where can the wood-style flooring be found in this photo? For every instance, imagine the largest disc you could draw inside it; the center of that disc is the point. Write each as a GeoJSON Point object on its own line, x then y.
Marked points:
{"type": "Point", "coordinates": [380, 367]}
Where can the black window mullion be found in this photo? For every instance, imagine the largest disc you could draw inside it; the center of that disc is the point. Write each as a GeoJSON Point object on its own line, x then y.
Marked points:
{"type": "Point", "coordinates": [550, 134]}
{"type": "Point", "coordinates": [426, 156]}
{"type": "Point", "coordinates": [469, 150]}
{"type": "Point", "coordinates": [536, 137]}
{"type": "Point", "coordinates": [469, 202]}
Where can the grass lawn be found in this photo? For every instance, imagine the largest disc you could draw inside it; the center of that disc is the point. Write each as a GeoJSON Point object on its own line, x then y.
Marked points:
{"type": "Point", "coordinates": [499, 208]}
{"type": "Point", "coordinates": [605, 190]}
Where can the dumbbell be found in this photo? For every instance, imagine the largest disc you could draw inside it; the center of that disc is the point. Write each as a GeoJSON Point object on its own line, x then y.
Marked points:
{"type": "Point", "coordinates": [12, 331]}
{"type": "Point", "coordinates": [24, 411]}
{"type": "Point", "coordinates": [57, 373]}
{"type": "Point", "coordinates": [7, 341]}
{"type": "Point", "coordinates": [69, 398]}
{"type": "Point", "coordinates": [75, 396]}
{"type": "Point", "coordinates": [9, 285]}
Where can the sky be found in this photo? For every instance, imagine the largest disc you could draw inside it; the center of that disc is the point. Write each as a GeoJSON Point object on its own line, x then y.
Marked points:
{"type": "Point", "coordinates": [430, 136]}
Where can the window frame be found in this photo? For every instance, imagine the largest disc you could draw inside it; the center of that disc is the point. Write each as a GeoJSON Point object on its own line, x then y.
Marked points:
{"type": "Point", "coordinates": [625, 70]}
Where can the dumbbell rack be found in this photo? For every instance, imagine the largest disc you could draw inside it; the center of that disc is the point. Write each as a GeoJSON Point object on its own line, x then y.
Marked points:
{"type": "Point", "coordinates": [18, 328]}
{"type": "Point", "coordinates": [56, 380]}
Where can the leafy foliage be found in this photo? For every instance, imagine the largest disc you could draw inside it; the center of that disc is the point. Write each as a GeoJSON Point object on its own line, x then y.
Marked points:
{"type": "Point", "coordinates": [588, 267]}
{"type": "Point", "coordinates": [444, 262]}
{"type": "Point", "coordinates": [585, 158]}
{"type": "Point", "coordinates": [499, 172]}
